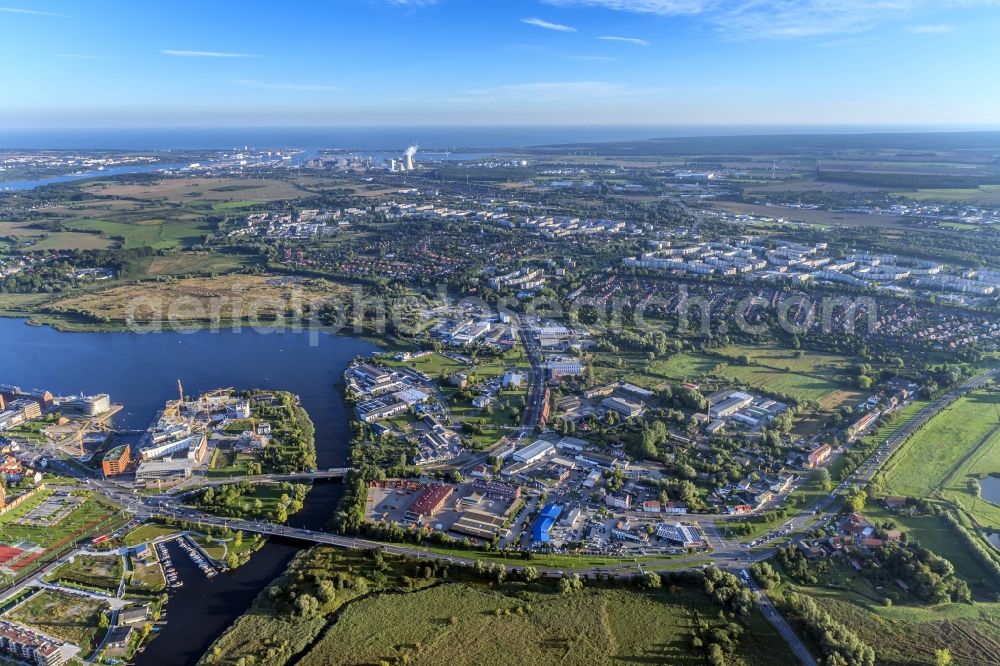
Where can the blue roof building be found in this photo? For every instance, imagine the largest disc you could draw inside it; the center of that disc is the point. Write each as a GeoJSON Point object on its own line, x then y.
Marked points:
{"type": "Point", "coordinates": [540, 530]}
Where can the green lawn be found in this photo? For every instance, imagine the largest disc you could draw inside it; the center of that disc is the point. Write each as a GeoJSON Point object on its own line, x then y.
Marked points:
{"type": "Point", "coordinates": [148, 532]}
{"type": "Point", "coordinates": [960, 486]}
{"type": "Point", "coordinates": [773, 378]}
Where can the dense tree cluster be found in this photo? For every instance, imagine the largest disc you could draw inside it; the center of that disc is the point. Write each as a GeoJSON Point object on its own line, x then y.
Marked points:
{"type": "Point", "coordinates": [839, 645]}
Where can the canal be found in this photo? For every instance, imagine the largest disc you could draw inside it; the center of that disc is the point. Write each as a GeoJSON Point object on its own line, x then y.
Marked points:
{"type": "Point", "coordinates": [141, 371]}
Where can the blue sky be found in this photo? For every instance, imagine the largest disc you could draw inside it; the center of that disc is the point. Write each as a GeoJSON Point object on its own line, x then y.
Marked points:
{"type": "Point", "coordinates": [507, 62]}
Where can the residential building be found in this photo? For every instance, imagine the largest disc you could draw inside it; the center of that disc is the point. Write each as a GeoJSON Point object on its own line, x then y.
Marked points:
{"type": "Point", "coordinates": [618, 501]}
{"type": "Point", "coordinates": [819, 455]}
{"type": "Point", "coordinates": [28, 646]}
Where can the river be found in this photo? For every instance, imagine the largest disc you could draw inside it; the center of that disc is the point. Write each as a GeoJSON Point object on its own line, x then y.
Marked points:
{"type": "Point", "coordinates": [141, 371]}
{"type": "Point", "coordinates": [32, 183]}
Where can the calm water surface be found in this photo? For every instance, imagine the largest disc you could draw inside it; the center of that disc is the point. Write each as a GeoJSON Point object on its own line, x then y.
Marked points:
{"type": "Point", "coordinates": [141, 372]}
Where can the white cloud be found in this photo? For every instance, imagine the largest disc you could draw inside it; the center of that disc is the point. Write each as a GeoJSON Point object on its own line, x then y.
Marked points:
{"type": "Point", "coordinates": [548, 25]}
{"type": "Point", "coordinates": [776, 19]}
{"type": "Point", "coordinates": [299, 87]}
{"type": "Point", "coordinates": [935, 29]}
{"type": "Point", "coordinates": [32, 12]}
{"type": "Point", "coordinates": [205, 54]}
{"type": "Point", "coordinates": [627, 40]}
{"type": "Point", "coordinates": [662, 7]}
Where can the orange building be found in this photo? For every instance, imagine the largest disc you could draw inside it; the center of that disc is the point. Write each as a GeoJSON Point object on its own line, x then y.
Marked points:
{"type": "Point", "coordinates": [116, 460]}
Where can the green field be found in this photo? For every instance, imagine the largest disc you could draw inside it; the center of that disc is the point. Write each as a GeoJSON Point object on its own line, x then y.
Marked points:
{"type": "Point", "coordinates": [984, 194]}
{"type": "Point", "coordinates": [152, 233]}
{"type": "Point", "coordinates": [792, 360]}
{"type": "Point", "coordinates": [819, 386]}
{"type": "Point", "coordinates": [148, 532]}
{"type": "Point", "coordinates": [937, 450]}
{"type": "Point", "coordinates": [592, 627]}
{"type": "Point", "coordinates": [236, 205]}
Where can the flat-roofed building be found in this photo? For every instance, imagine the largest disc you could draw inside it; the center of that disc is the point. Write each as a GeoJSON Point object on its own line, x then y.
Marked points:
{"type": "Point", "coordinates": [163, 470]}
{"type": "Point", "coordinates": [534, 452]}
{"type": "Point", "coordinates": [116, 460]}
{"type": "Point", "coordinates": [625, 408]}
{"type": "Point", "coordinates": [88, 405]}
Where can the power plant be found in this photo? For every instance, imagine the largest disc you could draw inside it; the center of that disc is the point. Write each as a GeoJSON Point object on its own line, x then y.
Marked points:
{"type": "Point", "coordinates": [407, 162]}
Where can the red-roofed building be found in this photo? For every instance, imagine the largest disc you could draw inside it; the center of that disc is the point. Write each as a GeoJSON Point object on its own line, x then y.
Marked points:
{"type": "Point", "coordinates": [431, 499]}
{"type": "Point", "coordinates": [819, 455]}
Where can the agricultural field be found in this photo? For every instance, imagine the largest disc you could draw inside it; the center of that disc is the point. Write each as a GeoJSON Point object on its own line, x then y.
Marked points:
{"type": "Point", "coordinates": [201, 299]}
{"type": "Point", "coordinates": [460, 624]}
{"type": "Point", "coordinates": [984, 194]}
{"type": "Point", "coordinates": [940, 447]}
{"type": "Point", "coordinates": [815, 216]}
{"type": "Point", "coordinates": [90, 571]}
{"type": "Point", "coordinates": [195, 263]}
{"type": "Point", "coordinates": [31, 238]}
{"type": "Point", "coordinates": [185, 190]}
{"type": "Point", "coordinates": [236, 205]}
{"type": "Point", "coordinates": [155, 233]}
{"type": "Point", "coordinates": [64, 615]}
